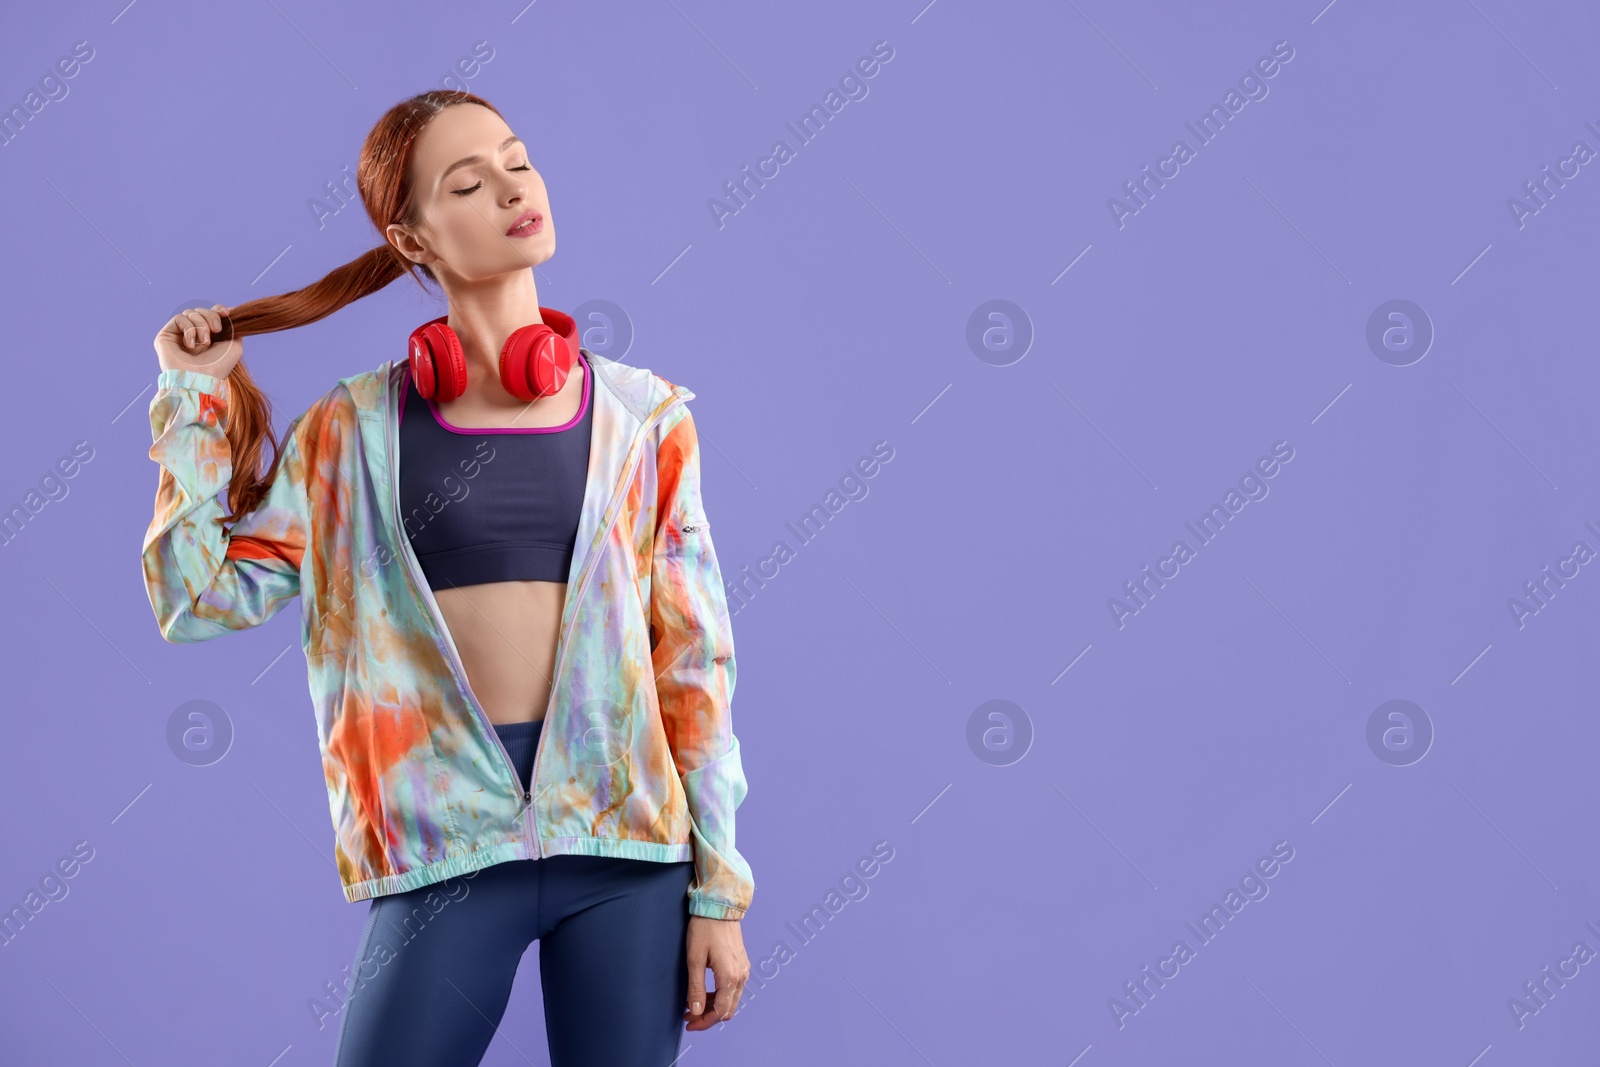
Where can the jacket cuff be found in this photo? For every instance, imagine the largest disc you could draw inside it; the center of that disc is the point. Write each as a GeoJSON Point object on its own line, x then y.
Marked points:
{"type": "Point", "coordinates": [192, 379]}
{"type": "Point", "coordinates": [713, 909]}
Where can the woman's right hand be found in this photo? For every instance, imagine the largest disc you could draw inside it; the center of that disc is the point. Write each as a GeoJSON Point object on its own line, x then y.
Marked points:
{"type": "Point", "coordinates": [184, 343]}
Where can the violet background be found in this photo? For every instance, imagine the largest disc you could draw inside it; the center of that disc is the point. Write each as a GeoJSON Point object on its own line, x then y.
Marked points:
{"type": "Point", "coordinates": [831, 313]}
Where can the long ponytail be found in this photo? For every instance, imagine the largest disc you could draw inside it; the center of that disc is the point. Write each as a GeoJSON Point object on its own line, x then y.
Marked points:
{"type": "Point", "coordinates": [383, 180]}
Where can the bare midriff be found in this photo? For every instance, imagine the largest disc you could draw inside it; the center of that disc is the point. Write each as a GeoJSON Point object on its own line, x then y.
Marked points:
{"type": "Point", "coordinates": [507, 632]}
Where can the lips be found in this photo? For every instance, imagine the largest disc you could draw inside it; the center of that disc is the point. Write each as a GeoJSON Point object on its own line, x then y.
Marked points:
{"type": "Point", "coordinates": [526, 224]}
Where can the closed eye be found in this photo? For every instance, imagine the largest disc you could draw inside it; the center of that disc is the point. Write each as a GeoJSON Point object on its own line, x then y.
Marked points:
{"type": "Point", "coordinates": [475, 188]}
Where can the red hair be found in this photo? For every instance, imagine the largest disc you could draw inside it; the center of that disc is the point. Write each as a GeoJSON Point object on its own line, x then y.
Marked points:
{"type": "Point", "coordinates": [383, 179]}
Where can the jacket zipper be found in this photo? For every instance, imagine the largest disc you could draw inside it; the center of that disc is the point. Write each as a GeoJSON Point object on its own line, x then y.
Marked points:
{"type": "Point", "coordinates": [413, 569]}
{"type": "Point", "coordinates": [615, 509]}
{"type": "Point", "coordinates": [441, 635]}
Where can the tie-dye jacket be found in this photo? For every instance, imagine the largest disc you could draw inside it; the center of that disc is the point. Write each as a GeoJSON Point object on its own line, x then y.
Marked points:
{"type": "Point", "coordinates": [637, 757]}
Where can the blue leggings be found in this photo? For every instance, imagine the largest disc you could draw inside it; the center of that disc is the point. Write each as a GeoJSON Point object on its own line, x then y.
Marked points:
{"type": "Point", "coordinates": [432, 981]}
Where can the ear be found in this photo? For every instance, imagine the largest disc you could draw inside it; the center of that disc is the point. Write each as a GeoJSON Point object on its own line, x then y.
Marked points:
{"type": "Point", "coordinates": [408, 244]}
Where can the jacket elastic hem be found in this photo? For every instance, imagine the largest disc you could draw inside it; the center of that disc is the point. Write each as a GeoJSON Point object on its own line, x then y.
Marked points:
{"type": "Point", "coordinates": [472, 862]}
{"type": "Point", "coordinates": [619, 848]}
{"type": "Point", "coordinates": [433, 873]}
{"type": "Point", "coordinates": [192, 379]}
{"type": "Point", "coordinates": [714, 909]}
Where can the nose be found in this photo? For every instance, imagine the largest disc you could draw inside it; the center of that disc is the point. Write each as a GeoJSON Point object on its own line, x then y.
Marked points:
{"type": "Point", "coordinates": [516, 189]}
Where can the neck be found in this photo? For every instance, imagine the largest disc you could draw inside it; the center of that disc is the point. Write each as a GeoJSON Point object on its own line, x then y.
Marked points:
{"type": "Point", "coordinates": [484, 314]}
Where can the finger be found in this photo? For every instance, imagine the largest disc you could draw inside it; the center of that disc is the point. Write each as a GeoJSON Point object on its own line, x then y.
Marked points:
{"type": "Point", "coordinates": [697, 1000]}
{"type": "Point", "coordinates": [197, 331]}
{"type": "Point", "coordinates": [213, 319]}
{"type": "Point", "coordinates": [205, 328]}
{"type": "Point", "coordinates": [181, 328]}
{"type": "Point", "coordinates": [725, 997]}
{"type": "Point", "coordinates": [697, 983]}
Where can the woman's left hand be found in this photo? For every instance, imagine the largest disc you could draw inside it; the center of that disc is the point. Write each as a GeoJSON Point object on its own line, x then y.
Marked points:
{"type": "Point", "coordinates": [718, 944]}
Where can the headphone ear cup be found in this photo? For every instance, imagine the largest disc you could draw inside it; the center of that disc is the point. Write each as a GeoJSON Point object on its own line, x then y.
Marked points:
{"type": "Point", "coordinates": [438, 364]}
{"type": "Point", "coordinates": [534, 362]}
{"type": "Point", "coordinates": [421, 366]}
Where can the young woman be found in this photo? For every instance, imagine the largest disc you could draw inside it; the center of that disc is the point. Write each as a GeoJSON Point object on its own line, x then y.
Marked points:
{"type": "Point", "coordinates": [514, 624]}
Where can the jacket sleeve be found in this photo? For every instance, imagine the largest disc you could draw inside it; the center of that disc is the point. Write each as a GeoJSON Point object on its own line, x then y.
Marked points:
{"type": "Point", "coordinates": [205, 581]}
{"type": "Point", "coordinates": [692, 654]}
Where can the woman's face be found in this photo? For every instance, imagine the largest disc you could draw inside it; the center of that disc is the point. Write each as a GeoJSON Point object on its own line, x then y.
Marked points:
{"type": "Point", "coordinates": [473, 184]}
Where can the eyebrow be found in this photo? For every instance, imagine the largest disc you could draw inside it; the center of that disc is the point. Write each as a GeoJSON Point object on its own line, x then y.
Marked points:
{"type": "Point", "coordinates": [468, 160]}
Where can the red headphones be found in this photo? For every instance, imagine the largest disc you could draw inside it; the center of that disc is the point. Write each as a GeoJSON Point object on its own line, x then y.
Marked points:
{"type": "Point", "coordinates": [535, 361]}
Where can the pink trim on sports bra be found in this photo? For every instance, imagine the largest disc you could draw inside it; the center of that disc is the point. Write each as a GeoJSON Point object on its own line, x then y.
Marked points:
{"type": "Point", "coordinates": [472, 431]}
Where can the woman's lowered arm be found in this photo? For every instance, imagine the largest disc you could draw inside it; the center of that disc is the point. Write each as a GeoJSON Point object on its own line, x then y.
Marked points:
{"type": "Point", "coordinates": [692, 655]}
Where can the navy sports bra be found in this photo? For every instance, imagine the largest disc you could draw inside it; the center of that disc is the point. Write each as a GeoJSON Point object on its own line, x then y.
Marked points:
{"type": "Point", "coordinates": [492, 504]}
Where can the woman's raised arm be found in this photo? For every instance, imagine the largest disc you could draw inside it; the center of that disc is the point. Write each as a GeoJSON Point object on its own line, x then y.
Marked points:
{"type": "Point", "coordinates": [204, 580]}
